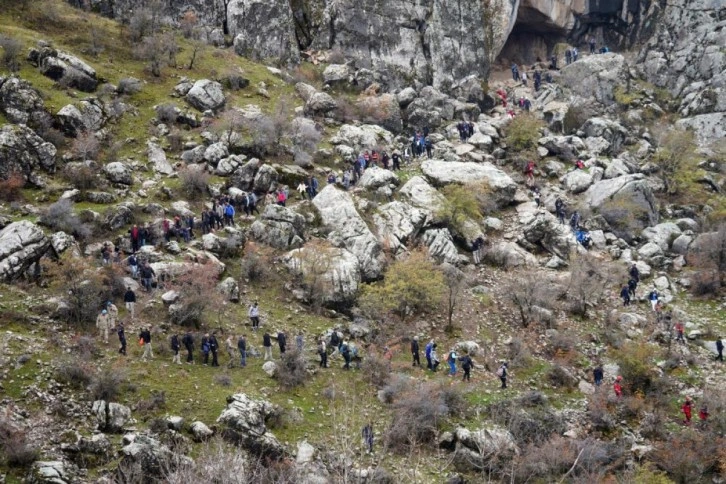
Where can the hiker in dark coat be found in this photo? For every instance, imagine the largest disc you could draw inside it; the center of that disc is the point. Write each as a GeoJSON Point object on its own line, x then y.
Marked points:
{"type": "Point", "coordinates": [415, 352]}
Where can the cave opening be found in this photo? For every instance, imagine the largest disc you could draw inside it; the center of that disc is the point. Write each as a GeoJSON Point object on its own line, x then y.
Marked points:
{"type": "Point", "coordinates": [532, 39]}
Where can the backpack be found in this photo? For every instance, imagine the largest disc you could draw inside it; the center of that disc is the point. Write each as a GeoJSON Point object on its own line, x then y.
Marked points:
{"type": "Point", "coordinates": [500, 372]}
{"type": "Point", "coordinates": [452, 357]}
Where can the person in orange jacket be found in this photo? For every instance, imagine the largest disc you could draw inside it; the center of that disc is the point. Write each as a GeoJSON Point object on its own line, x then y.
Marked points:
{"type": "Point", "coordinates": [618, 386]}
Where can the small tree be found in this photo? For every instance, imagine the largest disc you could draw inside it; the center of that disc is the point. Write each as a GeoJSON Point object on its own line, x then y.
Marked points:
{"type": "Point", "coordinates": [588, 277]}
{"type": "Point", "coordinates": [81, 288]}
{"type": "Point", "coordinates": [460, 205]}
{"type": "Point", "coordinates": [11, 52]}
{"type": "Point", "coordinates": [675, 158]}
{"type": "Point", "coordinates": [709, 255]}
{"type": "Point", "coordinates": [528, 294]}
{"type": "Point", "coordinates": [455, 285]}
{"type": "Point", "coordinates": [197, 288]}
{"type": "Point", "coordinates": [86, 146]}
{"type": "Point", "coordinates": [522, 133]}
{"type": "Point", "coordinates": [188, 24]}
{"type": "Point", "coordinates": [410, 286]}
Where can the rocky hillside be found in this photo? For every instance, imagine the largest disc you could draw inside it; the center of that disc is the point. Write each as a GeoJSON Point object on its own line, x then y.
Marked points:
{"type": "Point", "coordinates": [127, 129]}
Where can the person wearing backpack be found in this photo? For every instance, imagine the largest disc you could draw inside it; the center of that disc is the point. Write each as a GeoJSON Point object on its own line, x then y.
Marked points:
{"type": "Point", "coordinates": [502, 374]}
{"type": "Point", "coordinates": [625, 294]}
{"type": "Point", "coordinates": [175, 346]}
{"type": "Point", "coordinates": [466, 364]}
{"type": "Point", "coordinates": [415, 352]}
{"type": "Point", "coordinates": [205, 349]}
{"type": "Point", "coordinates": [597, 375]}
{"type": "Point", "coordinates": [451, 360]}
{"type": "Point", "coordinates": [188, 341]}
{"type": "Point", "coordinates": [434, 358]}
{"type": "Point", "coordinates": [427, 353]}
{"type": "Point", "coordinates": [213, 347]}
{"type": "Point", "coordinates": [345, 351]}
{"type": "Point", "coordinates": [335, 343]}
{"type": "Point", "coordinates": [323, 352]}
{"type": "Point", "coordinates": [653, 298]}
{"type": "Point", "coordinates": [267, 344]}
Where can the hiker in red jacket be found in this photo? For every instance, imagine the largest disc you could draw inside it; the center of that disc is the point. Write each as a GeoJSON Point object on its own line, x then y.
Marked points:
{"type": "Point", "coordinates": [529, 173]}
{"type": "Point", "coordinates": [618, 386]}
{"type": "Point", "coordinates": [687, 409]}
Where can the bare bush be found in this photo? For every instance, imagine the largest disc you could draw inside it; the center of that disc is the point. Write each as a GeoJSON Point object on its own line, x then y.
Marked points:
{"type": "Point", "coordinates": [81, 289]}
{"type": "Point", "coordinates": [588, 277]}
{"type": "Point", "coordinates": [253, 267]}
{"type": "Point", "coordinates": [528, 293]}
{"type": "Point", "coordinates": [143, 22]}
{"type": "Point", "coordinates": [188, 23]}
{"type": "Point", "coordinates": [11, 52]}
{"type": "Point", "coordinates": [548, 461]}
{"type": "Point", "coordinates": [197, 295]}
{"type": "Point", "coordinates": [156, 401]}
{"type": "Point", "coordinates": [689, 456]}
{"type": "Point", "coordinates": [529, 418]}
{"type": "Point", "coordinates": [709, 255]}
{"type": "Point", "coordinates": [561, 378]}
{"type": "Point", "coordinates": [167, 113]}
{"type": "Point", "coordinates": [376, 370]}
{"type": "Point", "coordinates": [73, 373]}
{"type": "Point", "coordinates": [86, 348]}
{"type": "Point", "coordinates": [107, 384]}
{"type": "Point", "coordinates": [80, 175]}
{"type": "Point", "coordinates": [60, 216]}
{"type": "Point", "coordinates": [11, 189]}
{"type": "Point", "coordinates": [15, 448]}
{"type": "Point", "coordinates": [85, 147]}
{"type": "Point", "coordinates": [396, 385]}
{"type": "Point", "coordinates": [194, 182]}
{"type": "Point", "coordinates": [292, 370]}
{"type": "Point", "coordinates": [417, 417]}
{"type": "Point", "coordinates": [128, 86]}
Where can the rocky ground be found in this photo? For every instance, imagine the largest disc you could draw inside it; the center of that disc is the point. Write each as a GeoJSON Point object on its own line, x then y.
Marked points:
{"type": "Point", "coordinates": [102, 131]}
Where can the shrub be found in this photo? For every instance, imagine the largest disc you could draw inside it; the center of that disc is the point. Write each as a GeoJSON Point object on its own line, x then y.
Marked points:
{"type": "Point", "coordinates": [81, 175]}
{"type": "Point", "coordinates": [11, 52]}
{"type": "Point", "coordinates": [60, 216]}
{"type": "Point", "coordinates": [575, 117]}
{"type": "Point", "coordinates": [417, 417]}
{"type": "Point", "coordinates": [397, 384]}
{"type": "Point", "coordinates": [223, 379]}
{"type": "Point", "coordinates": [292, 369]}
{"type": "Point", "coordinates": [588, 277]}
{"type": "Point", "coordinates": [194, 182]}
{"type": "Point", "coordinates": [11, 188]}
{"type": "Point", "coordinates": [560, 378]}
{"type": "Point", "coordinates": [106, 385]}
{"type": "Point", "coordinates": [73, 373]}
{"type": "Point", "coordinates": [156, 401]}
{"type": "Point", "coordinates": [167, 113]}
{"type": "Point", "coordinates": [522, 133]}
{"type": "Point", "coordinates": [188, 22]}
{"type": "Point", "coordinates": [198, 295]}
{"type": "Point", "coordinates": [85, 147]}
{"type": "Point", "coordinates": [689, 456]}
{"type": "Point", "coordinates": [376, 370]}
{"type": "Point", "coordinates": [86, 347]}
{"type": "Point", "coordinates": [15, 449]}
{"type": "Point", "coordinates": [634, 361]}
{"type": "Point", "coordinates": [128, 86]}
{"type": "Point", "coordinates": [529, 297]}
{"type": "Point", "coordinates": [254, 268]}
{"type": "Point", "coordinates": [81, 288]}
{"type": "Point", "coordinates": [548, 461]}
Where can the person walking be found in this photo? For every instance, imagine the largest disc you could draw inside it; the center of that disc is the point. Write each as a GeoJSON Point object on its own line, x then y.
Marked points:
{"type": "Point", "coordinates": [434, 358]}
{"type": "Point", "coordinates": [254, 315]}
{"type": "Point", "coordinates": [267, 344]}
{"type": "Point", "coordinates": [476, 249]}
{"type": "Point", "coordinates": [427, 354]}
{"type": "Point", "coordinates": [145, 337]}
{"type": "Point", "coordinates": [466, 364]}
{"type": "Point", "coordinates": [121, 338]}
{"type": "Point", "coordinates": [133, 265]}
{"type": "Point", "coordinates": [205, 349]}
{"type": "Point", "coordinates": [502, 373]}
{"type": "Point", "coordinates": [323, 352]}
{"type": "Point", "coordinates": [282, 342]}
{"type": "Point", "coordinates": [679, 332]}
{"type": "Point", "coordinates": [300, 341]}
{"type": "Point", "coordinates": [719, 349]}
{"type": "Point", "coordinates": [345, 351]}
{"type": "Point", "coordinates": [625, 294]}
{"type": "Point", "coordinates": [102, 325]}
{"type": "Point", "coordinates": [415, 352]}
{"type": "Point", "coordinates": [367, 434]}
{"type": "Point", "coordinates": [188, 341]}
{"type": "Point", "coordinates": [703, 414]}
{"type": "Point", "coordinates": [130, 301]}
{"type": "Point", "coordinates": [214, 348]}
{"type": "Point", "coordinates": [335, 343]}
{"type": "Point", "coordinates": [653, 298]}
{"type": "Point", "coordinates": [618, 386]}
{"type": "Point", "coordinates": [687, 409]}
{"type": "Point", "coordinates": [175, 347]}
{"type": "Point", "coordinates": [451, 360]}
{"type": "Point", "coordinates": [591, 42]}
{"type": "Point", "coordinates": [632, 286]}
{"type": "Point", "coordinates": [597, 375]}
{"type": "Point", "coordinates": [229, 346]}
{"type": "Point", "coordinates": [242, 347]}
{"type": "Point", "coordinates": [634, 273]}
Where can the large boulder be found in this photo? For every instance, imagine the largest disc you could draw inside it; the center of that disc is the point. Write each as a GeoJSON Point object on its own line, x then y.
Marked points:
{"type": "Point", "coordinates": [23, 152]}
{"type": "Point", "coordinates": [110, 416]}
{"type": "Point", "coordinates": [279, 227]}
{"type": "Point", "coordinates": [332, 272]}
{"type": "Point", "coordinates": [662, 234]}
{"type": "Point", "coordinates": [397, 224]}
{"type": "Point", "coordinates": [86, 116]}
{"type": "Point", "coordinates": [152, 456]}
{"type": "Point", "coordinates": [384, 110]}
{"type": "Point", "coordinates": [117, 172]}
{"type": "Point", "coordinates": [320, 103]}
{"type": "Point", "coordinates": [546, 231]}
{"type": "Point", "coordinates": [20, 102]}
{"type": "Point", "coordinates": [629, 193]}
{"type": "Point", "coordinates": [265, 178]}
{"type": "Point", "coordinates": [509, 255]}
{"type": "Point", "coordinates": [441, 246]}
{"type": "Point", "coordinates": [21, 244]}
{"type": "Point", "coordinates": [577, 181]}
{"type": "Point", "coordinates": [206, 95]}
{"type": "Point", "coordinates": [366, 136]}
{"type": "Point", "coordinates": [474, 450]}
{"type": "Point", "coordinates": [349, 230]}
{"type": "Point", "coordinates": [423, 196]}
{"type": "Point", "coordinates": [613, 132]}
{"type": "Point", "coordinates": [244, 420]}
{"type": "Point", "coordinates": [157, 157]}
{"type": "Point", "coordinates": [63, 67]}
{"type": "Point", "coordinates": [595, 76]}
{"type": "Point", "coordinates": [52, 472]}
{"type": "Point", "coordinates": [375, 177]}
{"type": "Point", "coordinates": [446, 172]}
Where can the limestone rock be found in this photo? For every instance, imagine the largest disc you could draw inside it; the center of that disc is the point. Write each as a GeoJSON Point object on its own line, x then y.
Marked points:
{"type": "Point", "coordinates": [200, 431]}
{"type": "Point", "coordinates": [279, 227]}
{"type": "Point", "coordinates": [441, 246]}
{"type": "Point", "coordinates": [444, 173]}
{"type": "Point", "coordinates": [338, 270]}
{"type": "Point", "coordinates": [157, 158]}
{"type": "Point", "coordinates": [375, 177]}
{"type": "Point", "coordinates": [244, 418]}
{"type": "Point", "coordinates": [631, 190]}
{"type": "Point", "coordinates": [20, 102]}
{"type": "Point", "coordinates": [270, 368]}
{"type": "Point", "coordinates": [595, 75]}
{"type": "Point", "coordinates": [349, 230]}
{"type": "Point", "coordinates": [509, 255]}
{"type": "Point", "coordinates": [22, 151]}
{"type": "Point", "coordinates": [52, 472]}
{"type": "Point", "coordinates": [117, 172]}
{"type": "Point", "coordinates": [206, 95]}
{"type": "Point", "coordinates": [110, 416]}
{"type": "Point", "coordinates": [21, 244]}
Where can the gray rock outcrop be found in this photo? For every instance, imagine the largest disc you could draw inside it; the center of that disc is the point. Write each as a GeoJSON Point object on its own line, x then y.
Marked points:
{"type": "Point", "coordinates": [206, 95]}
{"type": "Point", "coordinates": [446, 172]}
{"type": "Point", "coordinates": [334, 272]}
{"type": "Point", "coordinates": [21, 245]}
{"type": "Point", "coordinates": [279, 227]}
{"type": "Point", "coordinates": [397, 224]}
{"type": "Point", "coordinates": [23, 152]}
{"type": "Point", "coordinates": [349, 230]}
{"type": "Point", "coordinates": [595, 76]}
{"type": "Point", "coordinates": [244, 420]}
{"type": "Point", "coordinates": [632, 192]}
{"type": "Point", "coordinates": [111, 416]}
{"type": "Point", "coordinates": [20, 102]}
